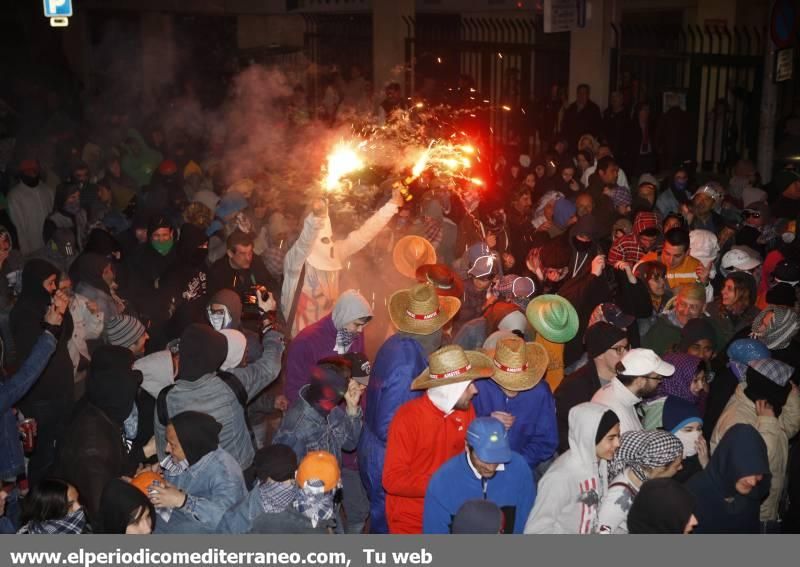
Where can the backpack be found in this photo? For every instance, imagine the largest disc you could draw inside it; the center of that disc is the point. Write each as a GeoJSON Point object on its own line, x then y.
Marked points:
{"type": "Point", "coordinates": [231, 381]}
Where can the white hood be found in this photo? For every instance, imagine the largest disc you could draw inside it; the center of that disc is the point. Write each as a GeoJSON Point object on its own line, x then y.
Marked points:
{"type": "Point", "coordinates": [157, 371]}
{"type": "Point", "coordinates": [445, 397]}
{"type": "Point", "coordinates": [584, 419]}
{"type": "Point", "coordinates": [324, 255]}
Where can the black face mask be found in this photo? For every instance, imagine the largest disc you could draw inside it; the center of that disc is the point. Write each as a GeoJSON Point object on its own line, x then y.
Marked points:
{"type": "Point", "coordinates": [30, 181]}
{"type": "Point", "coordinates": [581, 245]}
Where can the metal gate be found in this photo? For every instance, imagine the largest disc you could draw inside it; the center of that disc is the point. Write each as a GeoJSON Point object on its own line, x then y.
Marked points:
{"type": "Point", "coordinates": [715, 73]}
{"type": "Point", "coordinates": [511, 62]}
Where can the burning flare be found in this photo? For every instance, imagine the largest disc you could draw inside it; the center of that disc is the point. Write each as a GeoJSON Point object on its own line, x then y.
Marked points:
{"type": "Point", "coordinates": [343, 160]}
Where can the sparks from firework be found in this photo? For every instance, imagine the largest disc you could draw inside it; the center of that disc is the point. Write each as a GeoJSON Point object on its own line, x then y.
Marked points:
{"type": "Point", "coordinates": [446, 159]}
{"type": "Point", "coordinates": [343, 160]}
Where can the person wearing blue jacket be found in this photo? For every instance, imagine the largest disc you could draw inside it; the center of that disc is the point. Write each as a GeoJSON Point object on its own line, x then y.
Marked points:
{"type": "Point", "coordinates": [401, 359]}
{"type": "Point", "coordinates": [518, 397]}
{"type": "Point", "coordinates": [488, 470]}
{"type": "Point", "coordinates": [12, 390]}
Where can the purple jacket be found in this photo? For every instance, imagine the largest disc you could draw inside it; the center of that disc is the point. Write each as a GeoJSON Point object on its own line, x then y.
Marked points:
{"type": "Point", "coordinates": [311, 345]}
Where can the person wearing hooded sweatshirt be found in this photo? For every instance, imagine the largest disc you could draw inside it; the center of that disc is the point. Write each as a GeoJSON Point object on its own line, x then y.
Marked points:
{"type": "Point", "coordinates": [50, 400]}
{"type": "Point", "coordinates": [315, 421]}
{"type": "Point", "coordinates": [320, 260]}
{"type": "Point", "coordinates": [428, 431]}
{"type": "Point", "coordinates": [151, 261]}
{"type": "Point", "coordinates": [202, 481]}
{"type": "Point", "coordinates": [186, 282]}
{"type": "Point", "coordinates": [67, 213]}
{"type": "Point", "coordinates": [29, 203]}
{"type": "Point", "coordinates": [771, 404]}
{"type": "Point", "coordinates": [677, 193]}
{"type": "Point", "coordinates": [728, 493]}
{"type": "Point", "coordinates": [335, 334]}
{"type": "Point", "coordinates": [96, 283]}
{"type": "Point", "coordinates": [99, 443]}
{"type": "Point", "coordinates": [631, 247]}
{"type": "Point", "coordinates": [663, 506]}
{"type": "Point", "coordinates": [571, 490]}
{"type": "Point", "coordinates": [10, 269]}
{"type": "Point", "coordinates": [400, 359]}
{"type": "Point", "coordinates": [199, 387]}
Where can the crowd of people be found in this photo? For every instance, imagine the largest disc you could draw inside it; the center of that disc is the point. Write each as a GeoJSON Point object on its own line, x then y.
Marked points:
{"type": "Point", "coordinates": [573, 348]}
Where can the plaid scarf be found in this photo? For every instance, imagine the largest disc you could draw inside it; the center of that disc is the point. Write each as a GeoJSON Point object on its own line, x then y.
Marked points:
{"type": "Point", "coordinates": [276, 496]}
{"type": "Point", "coordinates": [314, 503]}
{"type": "Point", "coordinates": [640, 450]}
{"type": "Point", "coordinates": [344, 339]}
{"type": "Point", "coordinates": [433, 231]}
{"type": "Point", "coordinates": [73, 523]}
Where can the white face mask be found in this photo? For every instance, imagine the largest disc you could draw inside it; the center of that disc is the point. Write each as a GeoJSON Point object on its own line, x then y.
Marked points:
{"type": "Point", "coordinates": [689, 440]}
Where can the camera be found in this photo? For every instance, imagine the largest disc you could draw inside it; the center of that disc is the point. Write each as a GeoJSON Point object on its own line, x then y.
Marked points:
{"type": "Point", "coordinates": [250, 309]}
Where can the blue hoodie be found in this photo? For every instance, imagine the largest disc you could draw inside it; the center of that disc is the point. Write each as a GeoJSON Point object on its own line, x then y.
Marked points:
{"type": "Point", "coordinates": [455, 482]}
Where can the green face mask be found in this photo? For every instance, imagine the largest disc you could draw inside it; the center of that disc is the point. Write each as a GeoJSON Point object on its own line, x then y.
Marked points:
{"type": "Point", "coordinates": [163, 246]}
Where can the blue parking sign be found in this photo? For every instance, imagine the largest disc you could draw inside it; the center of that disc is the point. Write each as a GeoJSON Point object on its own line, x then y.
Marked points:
{"type": "Point", "coordinates": [57, 8]}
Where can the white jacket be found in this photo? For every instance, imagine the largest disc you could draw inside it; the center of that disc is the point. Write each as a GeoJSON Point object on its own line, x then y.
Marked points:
{"type": "Point", "coordinates": [569, 494]}
{"type": "Point", "coordinates": [619, 398]}
{"type": "Point", "coordinates": [28, 208]}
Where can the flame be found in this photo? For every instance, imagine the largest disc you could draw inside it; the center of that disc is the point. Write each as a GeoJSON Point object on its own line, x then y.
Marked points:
{"type": "Point", "coordinates": [476, 181]}
{"type": "Point", "coordinates": [341, 161]}
{"type": "Point", "coordinates": [421, 164]}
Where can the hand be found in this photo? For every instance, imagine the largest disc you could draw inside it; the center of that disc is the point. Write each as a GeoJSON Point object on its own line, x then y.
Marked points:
{"type": "Point", "coordinates": [266, 304]}
{"type": "Point", "coordinates": [724, 235]}
{"type": "Point", "coordinates": [61, 301]}
{"type": "Point", "coordinates": [150, 448]}
{"type": "Point", "coordinates": [353, 396]}
{"type": "Point", "coordinates": [764, 409]}
{"type": "Point", "coordinates": [687, 213]}
{"type": "Point", "coordinates": [281, 402]}
{"type": "Point", "coordinates": [319, 208]}
{"type": "Point", "coordinates": [508, 261]}
{"type": "Point", "coordinates": [165, 495]}
{"type": "Point", "coordinates": [598, 265]}
{"type": "Point", "coordinates": [703, 272]}
{"type": "Point", "coordinates": [491, 240]}
{"type": "Point", "coordinates": [3, 496]}
{"type": "Point", "coordinates": [504, 417]}
{"type": "Point", "coordinates": [702, 451]}
{"type": "Point", "coordinates": [397, 197]}
{"type": "Point", "coordinates": [92, 307]}
{"type": "Point", "coordinates": [155, 467]}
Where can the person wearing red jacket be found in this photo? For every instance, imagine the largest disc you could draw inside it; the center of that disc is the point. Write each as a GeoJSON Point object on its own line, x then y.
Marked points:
{"type": "Point", "coordinates": [428, 431]}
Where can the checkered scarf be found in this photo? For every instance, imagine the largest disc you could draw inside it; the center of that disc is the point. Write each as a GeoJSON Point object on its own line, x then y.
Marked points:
{"type": "Point", "coordinates": [781, 331]}
{"type": "Point", "coordinates": [73, 523]}
{"type": "Point", "coordinates": [276, 496]}
{"type": "Point", "coordinates": [273, 260]}
{"type": "Point", "coordinates": [314, 503]}
{"type": "Point", "coordinates": [641, 450]}
{"type": "Point", "coordinates": [433, 231]}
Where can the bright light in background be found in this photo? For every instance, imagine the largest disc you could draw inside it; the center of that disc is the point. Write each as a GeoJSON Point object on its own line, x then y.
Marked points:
{"type": "Point", "coordinates": [342, 161]}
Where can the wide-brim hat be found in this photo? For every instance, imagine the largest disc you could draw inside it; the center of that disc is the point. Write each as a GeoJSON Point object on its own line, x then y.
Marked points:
{"type": "Point", "coordinates": [452, 364]}
{"type": "Point", "coordinates": [410, 253]}
{"type": "Point", "coordinates": [553, 317]}
{"type": "Point", "coordinates": [518, 365]}
{"type": "Point", "coordinates": [442, 278]}
{"type": "Point", "coordinates": [420, 311]}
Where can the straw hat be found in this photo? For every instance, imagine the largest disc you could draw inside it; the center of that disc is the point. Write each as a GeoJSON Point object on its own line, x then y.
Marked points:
{"type": "Point", "coordinates": [420, 311]}
{"type": "Point", "coordinates": [518, 365]}
{"type": "Point", "coordinates": [443, 278]}
{"type": "Point", "coordinates": [553, 317]}
{"type": "Point", "coordinates": [452, 364]}
{"type": "Point", "coordinates": [410, 253]}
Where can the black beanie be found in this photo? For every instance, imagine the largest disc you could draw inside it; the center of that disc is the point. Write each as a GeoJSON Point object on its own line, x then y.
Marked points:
{"type": "Point", "coordinates": [600, 337]}
{"type": "Point", "coordinates": [198, 434]}
{"type": "Point", "coordinates": [759, 387]}
{"type": "Point", "coordinates": [277, 462]}
{"type": "Point", "coordinates": [608, 421]}
{"type": "Point", "coordinates": [695, 330]}
{"type": "Point", "coordinates": [782, 294]}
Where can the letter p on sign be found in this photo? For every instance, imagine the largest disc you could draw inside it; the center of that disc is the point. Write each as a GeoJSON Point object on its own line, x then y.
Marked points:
{"type": "Point", "coordinates": [57, 8]}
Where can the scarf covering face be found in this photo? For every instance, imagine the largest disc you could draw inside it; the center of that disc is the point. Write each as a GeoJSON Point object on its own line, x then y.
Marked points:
{"type": "Point", "coordinates": [277, 496]}
{"type": "Point", "coordinates": [781, 331]}
{"type": "Point", "coordinates": [72, 523]}
{"type": "Point", "coordinates": [314, 503]}
{"type": "Point", "coordinates": [680, 383]}
{"type": "Point", "coordinates": [173, 467]}
{"type": "Point", "coordinates": [326, 389]}
{"type": "Point", "coordinates": [641, 450]}
{"type": "Point", "coordinates": [33, 274]}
